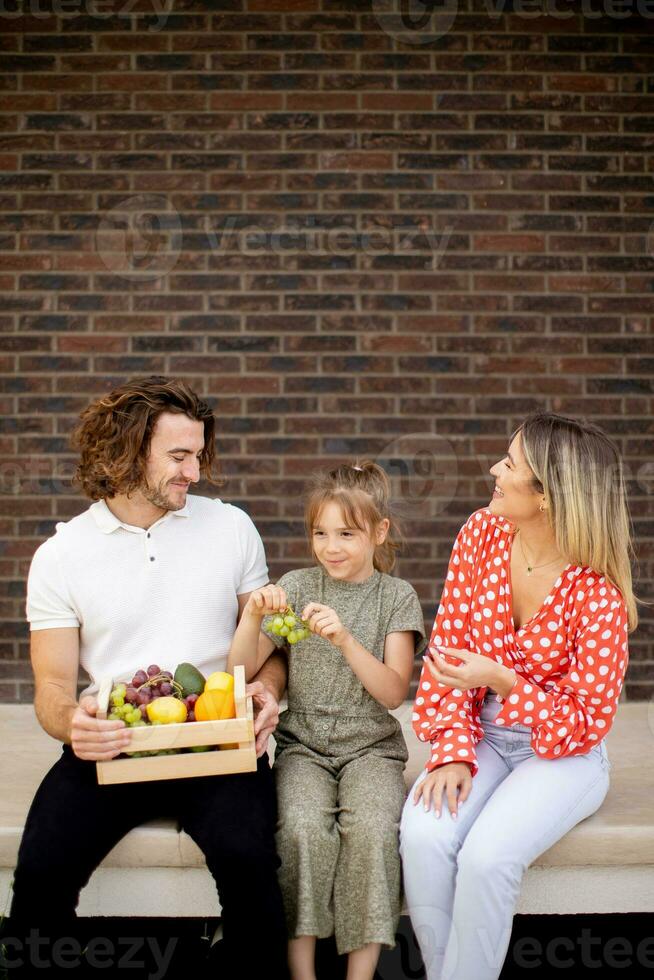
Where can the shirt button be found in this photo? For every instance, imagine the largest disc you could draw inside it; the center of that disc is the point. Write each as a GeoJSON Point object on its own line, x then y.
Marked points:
{"type": "Point", "coordinates": [149, 534]}
{"type": "Point", "coordinates": [151, 558]}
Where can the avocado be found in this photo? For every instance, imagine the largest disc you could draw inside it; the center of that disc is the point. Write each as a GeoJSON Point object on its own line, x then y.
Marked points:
{"type": "Point", "coordinates": [190, 679]}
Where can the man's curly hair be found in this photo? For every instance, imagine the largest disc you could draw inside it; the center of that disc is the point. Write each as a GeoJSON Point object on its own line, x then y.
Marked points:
{"type": "Point", "coordinates": [114, 434]}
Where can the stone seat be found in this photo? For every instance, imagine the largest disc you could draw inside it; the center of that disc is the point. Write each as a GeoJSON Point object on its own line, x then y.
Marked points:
{"type": "Point", "coordinates": [605, 864]}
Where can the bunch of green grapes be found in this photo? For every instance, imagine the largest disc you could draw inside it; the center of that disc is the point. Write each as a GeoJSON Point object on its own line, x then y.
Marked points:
{"type": "Point", "coordinates": [122, 710]}
{"type": "Point", "coordinates": [133, 715]}
{"type": "Point", "coordinates": [288, 625]}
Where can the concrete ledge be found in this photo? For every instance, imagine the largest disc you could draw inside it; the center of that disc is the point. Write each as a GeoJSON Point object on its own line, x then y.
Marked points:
{"type": "Point", "coordinates": [605, 864]}
{"type": "Point", "coordinates": [190, 892]}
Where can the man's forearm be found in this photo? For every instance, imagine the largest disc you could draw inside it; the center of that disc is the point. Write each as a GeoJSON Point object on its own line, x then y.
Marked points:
{"type": "Point", "coordinates": [274, 675]}
{"type": "Point", "coordinates": [54, 709]}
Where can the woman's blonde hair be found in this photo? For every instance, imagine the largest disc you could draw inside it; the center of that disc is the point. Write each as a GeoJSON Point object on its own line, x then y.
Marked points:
{"type": "Point", "coordinates": [362, 491]}
{"type": "Point", "coordinates": [579, 470]}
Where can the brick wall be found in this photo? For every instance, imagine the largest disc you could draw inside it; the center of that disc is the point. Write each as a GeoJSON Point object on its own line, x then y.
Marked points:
{"type": "Point", "coordinates": [352, 235]}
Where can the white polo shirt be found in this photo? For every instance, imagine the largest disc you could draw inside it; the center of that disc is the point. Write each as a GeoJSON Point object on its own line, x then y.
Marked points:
{"type": "Point", "coordinates": [158, 596]}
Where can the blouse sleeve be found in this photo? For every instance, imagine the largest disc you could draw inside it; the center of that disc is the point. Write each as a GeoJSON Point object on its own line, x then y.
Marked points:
{"type": "Point", "coordinates": [443, 715]}
{"type": "Point", "coordinates": [572, 714]}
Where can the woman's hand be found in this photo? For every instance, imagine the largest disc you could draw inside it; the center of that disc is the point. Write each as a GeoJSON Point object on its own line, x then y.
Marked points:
{"type": "Point", "coordinates": [452, 777]}
{"type": "Point", "coordinates": [473, 671]}
{"type": "Point", "coordinates": [323, 621]}
{"type": "Point", "coordinates": [266, 601]}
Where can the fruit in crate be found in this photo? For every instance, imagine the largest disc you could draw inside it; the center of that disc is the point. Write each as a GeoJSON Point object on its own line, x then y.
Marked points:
{"type": "Point", "coordinates": [220, 680]}
{"type": "Point", "coordinates": [167, 710]}
{"type": "Point", "coordinates": [189, 679]}
{"type": "Point", "coordinates": [157, 697]}
{"type": "Point", "coordinates": [217, 701]}
{"type": "Point", "coordinates": [146, 691]}
{"type": "Point", "coordinates": [120, 709]}
{"type": "Point", "coordinates": [215, 705]}
{"type": "Point", "coordinates": [151, 697]}
{"type": "Point", "coordinates": [288, 625]}
{"type": "Point", "coordinates": [190, 703]}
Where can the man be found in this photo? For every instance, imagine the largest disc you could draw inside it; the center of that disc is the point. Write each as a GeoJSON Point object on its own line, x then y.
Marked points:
{"type": "Point", "coordinates": [147, 575]}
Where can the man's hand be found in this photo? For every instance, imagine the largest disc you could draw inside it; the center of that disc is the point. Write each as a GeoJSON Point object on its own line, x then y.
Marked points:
{"type": "Point", "coordinates": [94, 739]}
{"type": "Point", "coordinates": [266, 714]}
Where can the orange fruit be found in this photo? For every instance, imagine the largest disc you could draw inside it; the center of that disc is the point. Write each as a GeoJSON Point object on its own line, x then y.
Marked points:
{"type": "Point", "coordinates": [215, 705]}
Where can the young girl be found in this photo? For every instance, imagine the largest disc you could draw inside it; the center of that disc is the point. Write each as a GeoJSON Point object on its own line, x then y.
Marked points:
{"type": "Point", "coordinates": [340, 754]}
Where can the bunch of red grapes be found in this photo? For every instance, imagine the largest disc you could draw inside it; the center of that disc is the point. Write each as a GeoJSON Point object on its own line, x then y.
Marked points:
{"type": "Point", "coordinates": [147, 685]}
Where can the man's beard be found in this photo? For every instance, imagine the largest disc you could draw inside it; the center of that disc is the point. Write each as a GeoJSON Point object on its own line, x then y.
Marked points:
{"type": "Point", "coordinates": [158, 497]}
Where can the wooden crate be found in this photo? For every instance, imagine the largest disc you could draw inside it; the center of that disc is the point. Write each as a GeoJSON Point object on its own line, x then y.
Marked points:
{"type": "Point", "coordinates": [183, 765]}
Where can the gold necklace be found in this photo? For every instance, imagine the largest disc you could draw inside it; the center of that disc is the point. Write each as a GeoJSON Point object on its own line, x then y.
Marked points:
{"type": "Point", "coordinates": [530, 568]}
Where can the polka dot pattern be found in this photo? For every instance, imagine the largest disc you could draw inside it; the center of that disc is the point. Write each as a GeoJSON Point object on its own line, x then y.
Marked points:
{"type": "Point", "coordinates": [570, 658]}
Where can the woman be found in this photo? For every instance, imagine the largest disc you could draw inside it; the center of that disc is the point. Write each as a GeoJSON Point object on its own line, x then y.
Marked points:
{"type": "Point", "coordinates": [526, 663]}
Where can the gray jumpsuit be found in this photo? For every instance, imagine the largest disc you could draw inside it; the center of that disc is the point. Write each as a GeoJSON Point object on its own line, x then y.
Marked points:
{"type": "Point", "coordinates": [338, 767]}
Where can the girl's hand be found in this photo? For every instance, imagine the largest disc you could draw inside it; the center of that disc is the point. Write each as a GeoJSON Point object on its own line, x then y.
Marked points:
{"type": "Point", "coordinates": [324, 622]}
{"type": "Point", "coordinates": [473, 671]}
{"type": "Point", "coordinates": [266, 601]}
{"type": "Point", "coordinates": [452, 777]}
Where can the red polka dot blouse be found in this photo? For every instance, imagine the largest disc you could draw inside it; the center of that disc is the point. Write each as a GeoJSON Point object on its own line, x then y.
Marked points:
{"type": "Point", "coordinates": [570, 658]}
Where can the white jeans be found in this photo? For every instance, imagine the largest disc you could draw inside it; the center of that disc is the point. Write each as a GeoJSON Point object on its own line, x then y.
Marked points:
{"type": "Point", "coordinates": [462, 877]}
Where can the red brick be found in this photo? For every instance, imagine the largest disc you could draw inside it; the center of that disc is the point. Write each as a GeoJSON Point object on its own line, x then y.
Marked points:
{"type": "Point", "coordinates": [510, 243]}
{"type": "Point", "coordinates": [19, 101]}
{"type": "Point", "coordinates": [91, 344]}
{"type": "Point", "coordinates": [169, 102]}
{"type": "Point", "coordinates": [317, 101]}
{"type": "Point", "coordinates": [220, 101]}
{"type": "Point", "coordinates": [582, 82]}
{"type": "Point", "coordinates": [585, 284]}
{"type": "Point", "coordinates": [58, 82]}
{"type": "Point", "coordinates": [132, 82]}
{"type": "Point", "coordinates": [397, 101]}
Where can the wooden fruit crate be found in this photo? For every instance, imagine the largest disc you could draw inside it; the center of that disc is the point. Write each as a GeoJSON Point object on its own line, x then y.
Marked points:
{"type": "Point", "coordinates": [183, 765]}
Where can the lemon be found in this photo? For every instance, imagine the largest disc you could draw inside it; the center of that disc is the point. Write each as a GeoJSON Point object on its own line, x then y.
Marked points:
{"type": "Point", "coordinates": [167, 710]}
{"type": "Point", "coordinates": [220, 680]}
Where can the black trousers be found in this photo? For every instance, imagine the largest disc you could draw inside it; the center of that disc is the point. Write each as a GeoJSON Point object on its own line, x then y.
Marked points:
{"type": "Point", "coordinates": [73, 823]}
